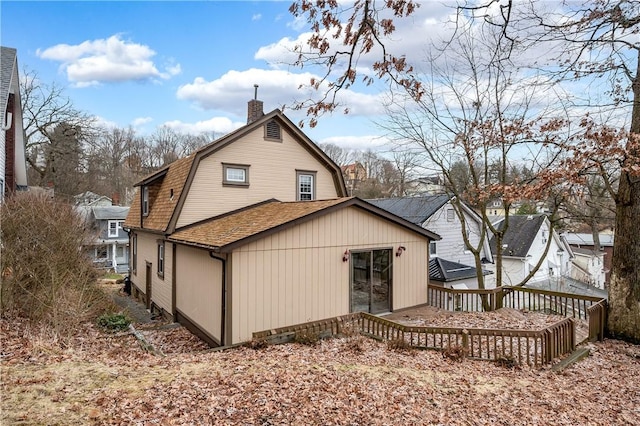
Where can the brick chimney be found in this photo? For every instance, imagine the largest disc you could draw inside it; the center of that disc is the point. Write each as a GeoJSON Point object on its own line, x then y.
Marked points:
{"type": "Point", "coordinates": [254, 109]}
{"type": "Point", "coordinates": [115, 199]}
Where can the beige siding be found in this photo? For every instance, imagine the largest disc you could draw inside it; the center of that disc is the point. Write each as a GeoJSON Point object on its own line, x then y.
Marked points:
{"type": "Point", "coordinates": [160, 287]}
{"type": "Point", "coordinates": [272, 174]}
{"type": "Point", "coordinates": [199, 289]}
{"type": "Point", "coordinates": [298, 275]}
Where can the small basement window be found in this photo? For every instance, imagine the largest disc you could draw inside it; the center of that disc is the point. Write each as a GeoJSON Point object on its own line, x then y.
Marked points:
{"type": "Point", "coordinates": [235, 174]}
{"type": "Point", "coordinates": [272, 131]}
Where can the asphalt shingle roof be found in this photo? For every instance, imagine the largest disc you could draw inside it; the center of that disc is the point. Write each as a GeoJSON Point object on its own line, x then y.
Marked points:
{"type": "Point", "coordinates": [163, 204]}
{"type": "Point", "coordinates": [414, 209]}
{"type": "Point", "coordinates": [270, 215]}
{"type": "Point", "coordinates": [445, 270]}
{"type": "Point", "coordinates": [520, 234]}
{"type": "Point", "coordinates": [227, 229]}
{"type": "Point", "coordinates": [110, 212]}
{"type": "Point", "coordinates": [7, 62]}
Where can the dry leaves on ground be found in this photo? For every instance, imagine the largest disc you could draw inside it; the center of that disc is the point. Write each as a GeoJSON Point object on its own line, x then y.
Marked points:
{"type": "Point", "coordinates": [109, 379]}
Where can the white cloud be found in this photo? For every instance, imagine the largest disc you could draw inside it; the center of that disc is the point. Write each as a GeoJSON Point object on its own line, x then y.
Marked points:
{"type": "Point", "coordinates": [103, 122]}
{"type": "Point", "coordinates": [277, 88]}
{"type": "Point", "coordinates": [141, 121]}
{"type": "Point", "coordinates": [218, 125]}
{"type": "Point", "coordinates": [358, 143]}
{"type": "Point", "coordinates": [98, 61]}
{"type": "Point", "coordinates": [256, 17]}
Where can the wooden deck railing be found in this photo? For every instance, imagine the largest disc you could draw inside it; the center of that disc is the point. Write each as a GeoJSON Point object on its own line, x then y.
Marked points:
{"type": "Point", "coordinates": [530, 347]}
{"type": "Point", "coordinates": [590, 308]}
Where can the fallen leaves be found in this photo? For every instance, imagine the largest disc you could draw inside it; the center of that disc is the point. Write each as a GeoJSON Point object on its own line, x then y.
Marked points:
{"type": "Point", "coordinates": [100, 379]}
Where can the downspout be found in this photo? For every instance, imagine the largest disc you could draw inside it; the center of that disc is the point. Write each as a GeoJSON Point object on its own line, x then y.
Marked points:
{"type": "Point", "coordinates": [224, 293]}
{"type": "Point", "coordinates": [7, 122]}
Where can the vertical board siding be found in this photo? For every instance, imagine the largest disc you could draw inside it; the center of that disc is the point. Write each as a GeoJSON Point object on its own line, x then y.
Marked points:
{"type": "Point", "coordinates": [148, 252]}
{"type": "Point", "coordinates": [272, 178]}
{"type": "Point", "coordinates": [199, 292]}
{"type": "Point", "coordinates": [298, 275]}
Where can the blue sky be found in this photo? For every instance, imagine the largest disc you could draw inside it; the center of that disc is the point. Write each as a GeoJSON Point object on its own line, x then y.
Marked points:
{"type": "Point", "coordinates": [190, 65]}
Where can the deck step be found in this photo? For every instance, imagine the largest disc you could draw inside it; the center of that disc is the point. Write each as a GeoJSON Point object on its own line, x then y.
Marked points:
{"type": "Point", "coordinates": [574, 357]}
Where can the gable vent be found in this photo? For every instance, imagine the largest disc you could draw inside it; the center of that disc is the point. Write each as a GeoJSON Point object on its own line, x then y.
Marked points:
{"type": "Point", "coordinates": [273, 130]}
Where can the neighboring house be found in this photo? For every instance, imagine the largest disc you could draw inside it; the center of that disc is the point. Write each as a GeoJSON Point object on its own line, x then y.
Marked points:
{"type": "Point", "coordinates": [354, 175]}
{"type": "Point", "coordinates": [588, 267]}
{"type": "Point", "coordinates": [108, 245]}
{"type": "Point", "coordinates": [13, 166]}
{"type": "Point", "coordinates": [495, 208]}
{"type": "Point", "coordinates": [254, 232]}
{"type": "Point", "coordinates": [91, 199]}
{"type": "Point", "coordinates": [523, 246]}
{"type": "Point", "coordinates": [436, 213]}
{"type": "Point", "coordinates": [455, 275]}
{"type": "Point", "coordinates": [585, 241]}
{"type": "Point", "coordinates": [425, 185]}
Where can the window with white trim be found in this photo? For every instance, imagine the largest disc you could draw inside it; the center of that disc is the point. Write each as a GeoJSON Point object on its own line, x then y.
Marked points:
{"type": "Point", "coordinates": [145, 200]}
{"type": "Point", "coordinates": [114, 227]}
{"type": "Point", "coordinates": [432, 248]}
{"type": "Point", "coordinates": [235, 174]}
{"type": "Point", "coordinates": [161, 258]}
{"type": "Point", "coordinates": [450, 215]}
{"type": "Point", "coordinates": [134, 258]}
{"type": "Point", "coordinates": [306, 186]}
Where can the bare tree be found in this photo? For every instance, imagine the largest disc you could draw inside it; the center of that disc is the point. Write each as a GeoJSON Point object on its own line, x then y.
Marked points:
{"type": "Point", "coordinates": [44, 107]}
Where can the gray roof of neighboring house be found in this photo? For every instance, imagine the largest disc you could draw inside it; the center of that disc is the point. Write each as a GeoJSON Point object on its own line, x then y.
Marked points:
{"type": "Point", "coordinates": [568, 285]}
{"type": "Point", "coordinates": [7, 62]}
{"type": "Point", "coordinates": [520, 234]}
{"type": "Point", "coordinates": [577, 239]}
{"type": "Point", "coordinates": [585, 251]}
{"type": "Point", "coordinates": [110, 212]}
{"type": "Point", "coordinates": [446, 270]}
{"type": "Point", "coordinates": [412, 209]}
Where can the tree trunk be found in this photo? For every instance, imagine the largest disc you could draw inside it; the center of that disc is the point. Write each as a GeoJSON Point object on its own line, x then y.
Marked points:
{"type": "Point", "coordinates": [624, 287]}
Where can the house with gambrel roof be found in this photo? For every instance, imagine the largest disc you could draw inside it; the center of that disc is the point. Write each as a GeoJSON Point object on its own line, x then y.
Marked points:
{"type": "Point", "coordinates": [254, 231]}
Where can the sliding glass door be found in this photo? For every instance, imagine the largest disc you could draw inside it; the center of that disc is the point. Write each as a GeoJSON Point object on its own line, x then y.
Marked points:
{"type": "Point", "coordinates": [371, 281]}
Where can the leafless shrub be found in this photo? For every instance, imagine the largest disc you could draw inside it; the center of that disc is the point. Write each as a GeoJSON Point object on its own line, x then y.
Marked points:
{"type": "Point", "coordinates": [399, 345]}
{"type": "Point", "coordinates": [257, 344]}
{"type": "Point", "coordinates": [45, 275]}
{"type": "Point", "coordinates": [349, 329]}
{"type": "Point", "coordinates": [355, 344]}
{"type": "Point", "coordinates": [507, 361]}
{"type": "Point", "coordinates": [306, 337]}
{"type": "Point", "coordinates": [455, 353]}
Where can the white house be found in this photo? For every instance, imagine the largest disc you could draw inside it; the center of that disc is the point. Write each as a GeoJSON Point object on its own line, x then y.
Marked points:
{"type": "Point", "coordinates": [524, 244]}
{"type": "Point", "coordinates": [588, 267]}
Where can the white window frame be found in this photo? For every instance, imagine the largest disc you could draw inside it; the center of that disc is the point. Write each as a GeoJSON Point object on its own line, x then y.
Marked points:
{"type": "Point", "coordinates": [134, 257]}
{"type": "Point", "coordinates": [309, 195]}
{"type": "Point", "coordinates": [433, 249]}
{"type": "Point", "coordinates": [161, 258]}
{"type": "Point", "coordinates": [145, 200]}
{"type": "Point", "coordinates": [451, 215]}
{"type": "Point", "coordinates": [118, 227]}
{"type": "Point", "coordinates": [230, 180]}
